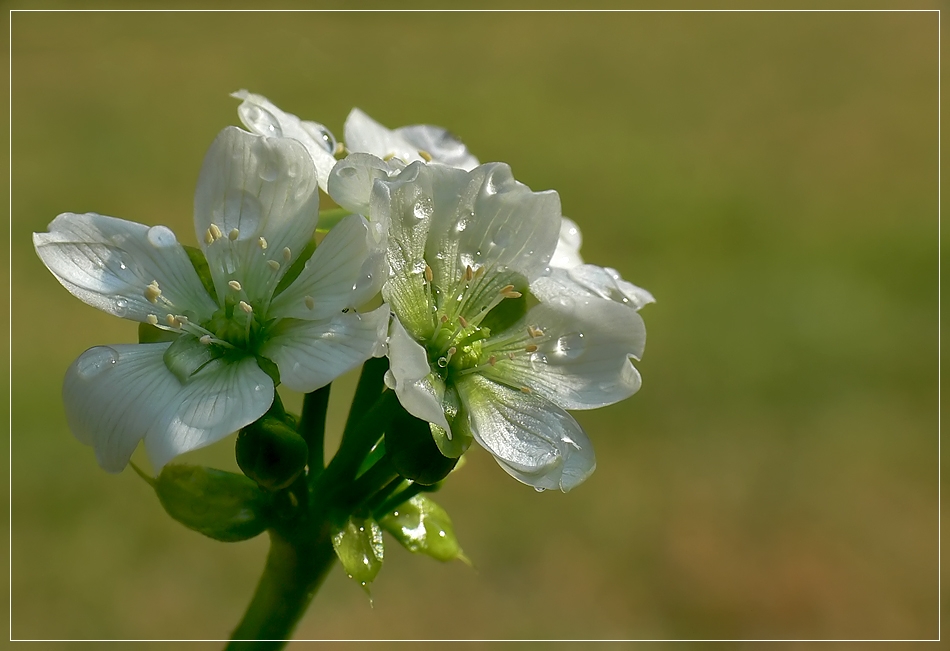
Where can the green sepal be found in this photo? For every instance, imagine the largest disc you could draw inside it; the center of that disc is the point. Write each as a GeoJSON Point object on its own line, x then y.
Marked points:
{"type": "Point", "coordinates": [149, 334]}
{"type": "Point", "coordinates": [200, 263]}
{"type": "Point", "coordinates": [296, 267]}
{"type": "Point", "coordinates": [270, 368]}
{"type": "Point", "coordinates": [377, 452]}
{"type": "Point", "coordinates": [330, 218]}
{"type": "Point", "coordinates": [222, 505]}
{"type": "Point", "coordinates": [359, 546]}
{"type": "Point", "coordinates": [423, 527]}
{"type": "Point", "coordinates": [271, 452]}
{"type": "Point", "coordinates": [413, 451]}
{"type": "Point", "coordinates": [186, 356]}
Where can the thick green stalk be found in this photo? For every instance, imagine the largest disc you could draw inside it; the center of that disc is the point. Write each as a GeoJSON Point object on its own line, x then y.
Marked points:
{"type": "Point", "coordinates": [312, 425]}
{"type": "Point", "coordinates": [294, 571]}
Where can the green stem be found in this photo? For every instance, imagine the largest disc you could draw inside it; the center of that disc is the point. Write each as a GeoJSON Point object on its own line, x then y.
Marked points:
{"type": "Point", "coordinates": [294, 571]}
{"type": "Point", "coordinates": [313, 424]}
{"type": "Point", "coordinates": [368, 390]}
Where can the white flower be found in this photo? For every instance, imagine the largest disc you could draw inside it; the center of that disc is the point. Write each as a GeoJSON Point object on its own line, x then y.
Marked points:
{"type": "Point", "coordinates": [362, 134]}
{"type": "Point", "coordinates": [464, 355]}
{"type": "Point", "coordinates": [255, 212]}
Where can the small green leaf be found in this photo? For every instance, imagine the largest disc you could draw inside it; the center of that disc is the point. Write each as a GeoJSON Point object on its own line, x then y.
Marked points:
{"type": "Point", "coordinates": [200, 263]}
{"type": "Point", "coordinates": [359, 546]}
{"type": "Point", "coordinates": [221, 505]}
{"type": "Point", "coordinates": [423, 527]}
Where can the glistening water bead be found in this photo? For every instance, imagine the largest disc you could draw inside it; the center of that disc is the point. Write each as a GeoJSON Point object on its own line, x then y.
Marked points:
{"type": "Point", "coordinates": [95, 361]}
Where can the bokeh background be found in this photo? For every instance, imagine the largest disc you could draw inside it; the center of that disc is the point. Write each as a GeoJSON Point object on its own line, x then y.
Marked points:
{"type": "Point", "coordinates": [771, 178]}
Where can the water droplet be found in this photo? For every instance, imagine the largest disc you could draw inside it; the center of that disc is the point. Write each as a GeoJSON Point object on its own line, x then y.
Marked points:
{"type": "Point", "coordinates": [539, 489]}
{"type": "Point", "coordinates": [422, 208]}
{"type": "Point", "coordinates": [122, 266]}
{"type": "Point", "coordinates": [96, 360]}
{"type": "Point", "coordinates": [260, 120]}
{"type": "Point", "coordinates": [269, 172]}
{"type": "Point", "coordinates": [321, 134]}
{"type": "Point", "coordinates": [443, 362]}
{"type": "Point", "coordinates": [161, 237]}
{"type": "Point", "coordinates": [569, 346]}
{"type": "Point", "coordinates": [121, 307]}
{"type": "Point", "coordinates": [346, 172]}
{"type": "Point", "coordinates": [501, 236]}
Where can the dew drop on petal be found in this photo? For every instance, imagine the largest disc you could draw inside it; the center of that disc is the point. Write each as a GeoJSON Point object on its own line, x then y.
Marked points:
{"type": "Point", "coordinates": [121, 307]}
{"type": "Point", "coordinates": [161, 237]}
{"type": "Point", "coordinates": [95, 361]}
{"type": "Point", "coordinates": [346, 172]}
{"type": "Point", "coordinates": [422, 208]}
{"type": "Point", "coordinates": [569, 346]}
{"type": "Point", "coordinates": [539, 489]}
{"type": "Point", "coordinates": [321, 134]}
{"type": "Point", "coordinates": [260, 120]}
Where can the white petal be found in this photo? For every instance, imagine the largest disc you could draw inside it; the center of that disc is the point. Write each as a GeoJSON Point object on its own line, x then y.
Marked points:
{"type": "Point", "coordinates": [568, 251]}
{"type": "Point", "coordinates": [351, 180]}
{"type": "Point", "coordinates": [364, 134]}
{"type": "Point", "coordinates": [108, 263]}
{"type": "Point", "coordinates": [412, 379]}
{"type": "Point", "coordinates": [261, 188]}
{"type": "Point", "coordinates": [581, 360]}
{"type": "Point", "coordinates": [533, 440]}
{"type": "Point", "coordinates": [311, 354]}
{"type": "Point", "coordinates": [117, 395]}
{"type": "Point", "coordinates": [441, 144]}
{"type": "Point", "coordinates": [588, 280]}
{"type": "Point", "coordinates": [345, 271]}
{"type": "Point", "coordinates": [262, 117]}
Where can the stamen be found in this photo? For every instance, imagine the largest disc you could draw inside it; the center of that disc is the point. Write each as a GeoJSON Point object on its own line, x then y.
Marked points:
{"type": "Point", "coordinates": [172, 321]}
{"type": "Point", "coordinates": [152, 319]}
{"type": "Point", "coordinates": [428, 274]}
{"type": "Point", "coordinates": [152, 292]}
{"type": "Point", "coordinates": [339, 149]}
{"type": "Point", "coordinates": [426, 156]}
{"type": "Point", "coordinates": [246, 307]}
{"type": "Point", "coordinates": [205, 339]}
{"type": "Point", "coordinates": [234, 234]}
{"type": "Point", "coordinates": [530, 348]}
{"type": "Point", "coordinates": [480, 271]}
{"type": "Point", "coordinates": [463, 322]}
{"type": "Point", "coordinates": [261, 242]}
{"type": "Point", "coordinates": [508, 291]}
{"type": "Point", "coordinates": [535, 332]}
{"type": "Point", "coordinates": [287, 254]}
{"type": "Point", "coordinates": [182, 319]}
{"type": "Point", "coordinates": [273, 264]}
{"type": "Point", "coordinates": [389, 157]}
{"type": "Point", "coordinates": [492, 360]}
{"type": "Point", "coordinates": [215, 231]}
{"type": "Point", "coordinates": [511, 355]}
{"type": "Point", "coordinates": [451, 351]}
{"type": "Point", "coordinates": [444, 318]}
{"type": "Point", "coordinates": [525, 390]}
{"type": "Point", "coordinates": [209, 237]}
{"type": "Point", "coordinates": [308, 301]}
{"type": "Point", "coordinates": [235, 285]}
{"type": "Point", "coordinates": [469, 274]}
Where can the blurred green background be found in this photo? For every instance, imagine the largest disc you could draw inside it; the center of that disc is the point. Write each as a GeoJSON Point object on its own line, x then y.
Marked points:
{"type": "Point", "coordinates": [771, 178]}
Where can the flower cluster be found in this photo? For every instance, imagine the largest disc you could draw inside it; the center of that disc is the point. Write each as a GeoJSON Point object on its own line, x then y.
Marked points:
{"type": "Point", "coordinates": [493, 326]}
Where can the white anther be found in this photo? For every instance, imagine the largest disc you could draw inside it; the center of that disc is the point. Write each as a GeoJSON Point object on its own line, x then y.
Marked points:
{"type": "Point", "coordinates": [235, 285]}
{"type": "Point", "coordinates": [535, 332]}
{"type": "Point", "coordinates": [152, 319]}
{"type": "Point", "coordinates": [171, 320]}
{"type": "Point", "coordinates": [287, 254]}
{"type": "Point", "coordinates": [525, 390]}
{"type": "Point", "coordinates": [152, 292]}
{"type": "Point", "coordinates": [244, 306]}
{"type": "Point", "coordinates": [209, 237]}
{"type": "Point", "coordinates": [273, 264]}
{"type": "Point", "coordinates": [308, 301]}
{"type": "Point", "coordinates": [182, 319]}
{"type": "Point", "coordinates": [215, 231]}
{"type": "Point", "coordinates": [426, 156]}
{"type": "Point", "coordinates": [205, 339]}
{"type": "Point", "coordinates": [261, 242]}
{"type": "Point", "coordinates": [234, 234]}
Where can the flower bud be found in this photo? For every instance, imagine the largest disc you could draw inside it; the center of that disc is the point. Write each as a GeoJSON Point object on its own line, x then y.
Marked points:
{"type": "Point", "coordinates": [413, 452]}
{"type": "Point", "coordinates": [222, 505]}
{"type": "Point", "coordinates": [271, 453]}
{"type": "Point", "coordinates": [359, 546]}
{"type": "Point", "coordinates": [423, 527]}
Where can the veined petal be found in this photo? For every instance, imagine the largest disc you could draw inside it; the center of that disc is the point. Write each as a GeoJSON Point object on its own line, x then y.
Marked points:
{"type": "Point", "coordinates": [311, 354]}
{"type": "Point", "coordinates": [345, 271]}
{"type": "Point", "coordinates": [364, 134]}
{"type": "Point", "coordinates": [261, 196]}
{"type": "Point", "coordinates": [262, 117]}
{"type": "Point", "coordinates": [110, 263]}
{"type": "Point", "coordinates": [533, 440]}
{"type": "Point", "coordinates": [588, 280]}
{"type": "Point", "coordinates": [351, 180]}
{"type": "Point", "coordinates": [568, 251]}
{"type": "Point", "coordinates": [574, 352]}
{"type": "Point", "coordinates": [441, 144]}
{"type": "Point", "coordinates": [412, 379]}
{"type": "Point", "coordinates": [117, 395]}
